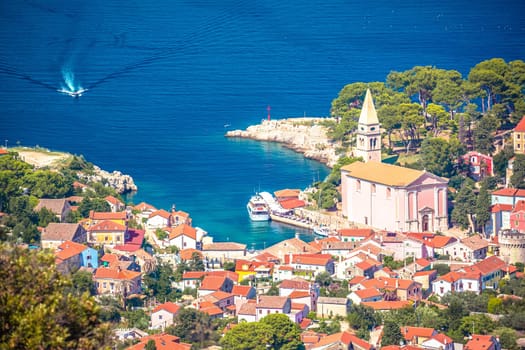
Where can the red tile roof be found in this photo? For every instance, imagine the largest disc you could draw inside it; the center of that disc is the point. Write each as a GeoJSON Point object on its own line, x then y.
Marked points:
{"type": "Point", "coordinates": [183, 230]}
{"type": "Point", "coordinates": [386, 305]}
{"type": "Point", "coordinates": [441, 241]}
{"type": "Point", "coordinates": [241, 290]}
{"type": "Point", "coordinates": [296, 283]}
{"type": "Point", "coordinates": [162, 342]}
{"type": "Point", "coordinates": [387, 283]}
{"type": "Point", "coordinates": [297, 294]}
{"type": "Point", "coordinates": [442, 338]}
{"type": "Point", "coordinates": [121, 215]}
{"type": "Point", "coordinates": [252, 266]}
{"type": "Point", "coordinates": [346, 338]}
{"type": "Point", "coordinates": [167, 306]}
{"type": "Point", "coordinates": [193, 275]}
{"type": "Point", "coordinates": [187, 254]}
{"type": "Point", "coordinates": [113, 200]}
{"type": "Point", "coordinates": [480, 342]}
{"type": "Point", "coordinates": [355, 232]}
{"type": "Point", "coordinates": [487, 266]}
{"type": "Point", "coordinates": [107, 273]}
{"type": "Point", "coordinates": [305, 323]}
{"type": "Point", "coordinates": [162, 213]}
{"type": "Point", "coordinates": [368, 293]}
{"type": "Point", "coordinates": [410, 332]}
{"type": "Point", "coordinates": [309, 259]}
{"type": "Point", "coordinates": [107, 225]}
{"type": "Point", "coordinates": [212, 283]}
{"type": "Point", "coordinates": [271, 302]}
{"type": "Point", "coordinates": [496, 208]}
{"type": "Point", "coordinates": [69, 249]}
{"type": "Point", "coordinates": [292, 203]}
{"type": "Point", "coordinates": [143, 206]}
{"type": "Point", "coordinates": [521, 125]}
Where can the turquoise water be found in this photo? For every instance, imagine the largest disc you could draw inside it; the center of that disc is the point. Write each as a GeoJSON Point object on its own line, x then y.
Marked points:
{"type": "Point", "coordinates": [164, 78]}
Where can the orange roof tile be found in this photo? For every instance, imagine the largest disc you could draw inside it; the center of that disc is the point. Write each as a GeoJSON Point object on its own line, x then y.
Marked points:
{"type": "Point", "coordinates": [410, 332]}
{"type": "Point", "coordinates": [248, 309]}
{"type": "Point", "coordinates": [441, 241]}
{"type": "Point", "coordinates": [475, 242]}
{"type": "Point", "coordinates": [355, 232]}
{"type": "Point", "coordinates": [120, 215]}
{"type": "Point", "coordinates": [305, 323]}
{"type": "Point", "coordinates": [107, 225]}
{"type": "Point", "coordinates": [183, 230]}
{"type": "Point", "coordinates": [143, 206]}
{"type": "Point", "coordinates": [193, 275]}
{"type": "Point", "coordinates": [490, 264]}
{"type": "Point", "coordinates": [296, 283]}
{"type": "Point", "coordinates": [167, 306]}
{"type": "Point", "coordinates": [297, 294]}
{"type": "Point", "coordinates": [106, 273]}
{"type": "Point", "coordinates": [387, 305]}
{"type": "Point", "coordinates": [478, 342]}
{"type": "Point", "coordinates": [113, 200]}
{"type": "Point", "coordinates": [309, 259]}
{"type": "Point", "coordinates": [368, 293]}
{"type": "Point", "coordinates": [292, 203]}
{"type": "Point", "coordinates": [69, 249]}
{"type": "Point", "coordinates": [245, 265]}
{"type": "Point", "coordinates": [287, 193]}
{"type": "Point", "coordinates": [162, 342]}
{"type": "Point", "coordinates": [161, 212]}
{"type": "Point", "coordinates": [212, 283]}
{"type": "Point", "coordinates": [241, 290]}
{"type": "Point", "coordinates": [271, 302]}
{"type": "Point", "coordinates": [382, 173]}
{"type": "Point", "coordinates": [187, 254]}
{"type": "Point", "coordinates": [387, 282]}
{"type": "Point", "coordinates": [442, 338]}
{"type": "Point", "coordinates": [520, 127]}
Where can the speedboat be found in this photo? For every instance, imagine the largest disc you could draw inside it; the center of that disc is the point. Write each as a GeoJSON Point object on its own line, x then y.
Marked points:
{"type": "Point", "coordinates": [258, 209]}
{"type": "Point", "coordinates": [74, 94]}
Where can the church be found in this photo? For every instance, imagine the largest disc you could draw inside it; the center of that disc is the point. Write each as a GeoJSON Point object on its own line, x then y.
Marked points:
{"type": "Point", "coordinates": [389, 197]}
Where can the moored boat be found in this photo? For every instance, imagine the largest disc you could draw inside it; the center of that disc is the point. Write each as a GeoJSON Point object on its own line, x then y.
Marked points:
{"type": "Point", "coordinates": [258, 209]}
{"type": "Point", "coordinates": [323, 231]}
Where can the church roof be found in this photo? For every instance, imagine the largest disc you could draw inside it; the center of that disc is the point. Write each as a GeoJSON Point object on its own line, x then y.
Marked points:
{"type": "Point", "coordinates": [386, 174]}
{"type": "Point", "coordinates": [368, 111]}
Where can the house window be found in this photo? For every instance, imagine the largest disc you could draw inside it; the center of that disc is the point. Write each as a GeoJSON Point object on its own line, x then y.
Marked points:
{"type": "Point", "coordinates": [184, 243]}
{"type": "Point", "coordinates": [267, 312]}
{"type": "Point", "coordinates": [518, 146]}
{"type": "Point", "coordinates": [441, 290]}
{"type": "Point", "coordinates": [470, 285]}
{"type": "Point", "coordinates": [106, 238]}
{"type": "Point", "coordinates": [118, 238]}
{"type": "Point", "coordinates": [358, 185]}
{"type": "Point", "coordinates": [104, 285]}
{"type": "Point", "coordinates": [518, 136]}
{"type": "Point", "coordinates": [160, 317]}
{"type": "Point", "coordinates": [260, 312]}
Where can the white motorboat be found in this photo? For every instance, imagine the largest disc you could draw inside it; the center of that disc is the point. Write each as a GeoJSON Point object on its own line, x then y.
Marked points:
{"type": "Point", "coordinates": [74, 94]}
{"type": "Point", "coordinates": [323, 231]}
{"type": "Point", "coordinates": [258, 209]}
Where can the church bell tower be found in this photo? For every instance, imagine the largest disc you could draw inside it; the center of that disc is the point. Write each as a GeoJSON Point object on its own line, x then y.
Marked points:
{"type": "Point", "coordinates": [368, 132]}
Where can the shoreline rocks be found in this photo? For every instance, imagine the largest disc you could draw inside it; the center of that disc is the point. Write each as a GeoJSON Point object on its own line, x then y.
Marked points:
{"type": "Point", "coordinates": [122, 183]}
{"type": "Point", "coordinates": [303, 135]}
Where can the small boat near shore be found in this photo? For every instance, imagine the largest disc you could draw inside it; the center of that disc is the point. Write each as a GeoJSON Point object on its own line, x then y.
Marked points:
{"type": "Point", "coordinates": [323, 231]}
{"type": "Point", "coordinates": [258, 209]}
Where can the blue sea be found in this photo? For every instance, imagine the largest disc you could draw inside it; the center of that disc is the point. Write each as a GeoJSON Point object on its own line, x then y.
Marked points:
{"type": "Point", "coordinates": [164, 78]}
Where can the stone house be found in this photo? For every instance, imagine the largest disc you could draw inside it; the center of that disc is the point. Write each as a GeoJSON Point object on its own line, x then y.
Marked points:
{"type": "Point", "coordinates": [60, 207]}
{"type": "Point", "coordinates": [329, 307]}
{"type": "Point", "coordinates": [55, 234]}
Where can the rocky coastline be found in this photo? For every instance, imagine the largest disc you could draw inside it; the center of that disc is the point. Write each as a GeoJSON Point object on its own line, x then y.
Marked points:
{"type": "Point", "coordinates": [303, 135]}
{"type": "Point", "coordinates": [44, 158]}
{"type": "Point", "coordinates": [122, 183]}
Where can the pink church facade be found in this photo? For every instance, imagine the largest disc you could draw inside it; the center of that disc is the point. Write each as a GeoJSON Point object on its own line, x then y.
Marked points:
{"type": "Point", "coordinates": [393, 198]}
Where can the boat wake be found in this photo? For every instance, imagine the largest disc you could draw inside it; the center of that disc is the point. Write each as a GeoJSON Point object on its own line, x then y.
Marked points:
{"type": "Point", "coordinates": [69, 86]}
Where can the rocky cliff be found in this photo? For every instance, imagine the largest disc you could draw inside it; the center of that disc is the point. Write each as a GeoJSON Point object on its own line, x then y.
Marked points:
{"type": "Point", "coordinates": [303, 135]}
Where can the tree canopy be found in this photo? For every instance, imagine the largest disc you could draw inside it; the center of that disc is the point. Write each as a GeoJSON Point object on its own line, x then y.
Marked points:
{"type": "Point", "coordinates": [38, 308]}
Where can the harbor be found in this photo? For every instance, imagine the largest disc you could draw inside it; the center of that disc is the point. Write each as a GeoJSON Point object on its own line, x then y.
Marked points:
{"type": "Point", "coordinates": [322, 223]}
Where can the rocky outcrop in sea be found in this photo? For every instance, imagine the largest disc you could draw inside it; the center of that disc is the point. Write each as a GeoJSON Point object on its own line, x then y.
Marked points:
{"type": "Point", "coordinates": [303, 135]}
{"type": "Point", "coordinates": [122, 183]}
